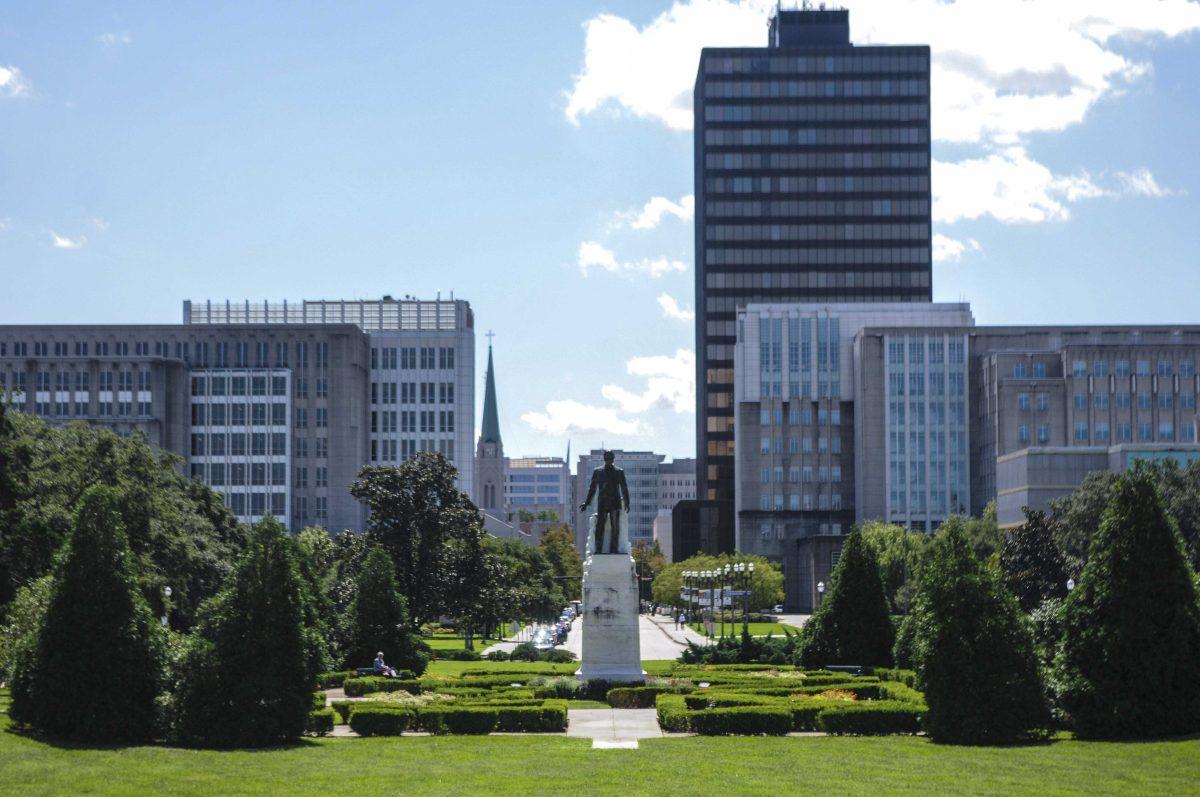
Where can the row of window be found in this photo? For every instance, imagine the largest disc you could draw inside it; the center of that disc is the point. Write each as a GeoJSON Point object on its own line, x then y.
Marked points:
{"type": "Point", "coordinates": [797, 474]}
{"type": "Point", "coordinates": [224, 354]}
{"type": "Point", "coordinates": [406, 358]}
{"type": "Point", "coordinates": [816, 160]}
{"type": "Point", "coordinates": [241, 474]}
{"type": "Point", "coordinates": [787, 64]}
{"type": "Point", "coordinates": [808, 279]}
{"type": "Point", "coordinates": [798, 417]}
{"type": "Point", "coordinates": [320, 447]}
{"type": "Point", "coordinates": [412, 392]}
{"type": "Point", "coordinates": [814, 136]}
{"type": "Point", "coordinates": [255, 414]}
{"type": "Point", "coordinates": [762, 89]}
{"type": "Point", "coordinates": [822, 184]}
{"type": "Point", "coordinates": [1166, 367]}
{"type": "Point", "coordinates": [530, 477]}
{"type": "Point", "coordinates": [404, 450]}
{"type": "Point", "coordinates": [238, 444]}
{"type": "Point", "coordinates": [798, 445]}
{"type": "Point", "coordinates": [953, 383]}
{"type": "Point", "coordinates": [797, 502]}
{"type": "Point", "coordinates": [816, 232]}
{"type": "Point", "coordinates": [1121, 432]}
{"type": "Point", "coordinates": [321, 480]}
{"type": "Point", "coordinates": [67, 380]}
{"type": "Point", "coordinates": [1121, 401]}
{"type": "Point", "coordinates": [104, 409]}
{"type": "Point", "coordinates": [240, 385]}
{"type": "Point", "coordinates": [821, 256]}
{"type": "Point", "coordinates": [829, 207]}
{"type": "Point", "coordinates": [412, 421]}
{"type": "Point", "coordinates": [823, 112]}
{"type": "Point", "coordinates": [955, 350]}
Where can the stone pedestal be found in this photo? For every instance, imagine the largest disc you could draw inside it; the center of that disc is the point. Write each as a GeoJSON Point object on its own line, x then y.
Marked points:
{"type": "Point", "coordinates": [611, 637]}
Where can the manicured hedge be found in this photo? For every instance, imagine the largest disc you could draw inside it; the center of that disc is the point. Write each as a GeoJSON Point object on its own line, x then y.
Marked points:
{"type": "Point", "coordinates": [640, 696]}
{"type": "Point", "coordinates": [374, 719]}
{"type": "Point", "coordinates": [334, 680]}
{"type": "Point", "coordinates": [742, 721]}
{"type": "Point", "coordinates": [549, 717]}
{"type": "Point", "coordinates": [870, 718]}
{"type": "Point", "coordinates": [318, 700]}
{"type": "Point", "coordinates": [461, 654]}
{"type": "Point", "coordinates": [474, 720]}
{"type": "Point", "coordinates": [672, 713]}
{"type": "Point", "coordinates": [343, 709]}
{"type": "Point", "coordinates": [357, 687]}
{"type": "Point", "coordinates": [321, 722]}
{"type": "Point", "coordinates": [700, 701]}
{"type": "Point", "coordinates": [906, 677]}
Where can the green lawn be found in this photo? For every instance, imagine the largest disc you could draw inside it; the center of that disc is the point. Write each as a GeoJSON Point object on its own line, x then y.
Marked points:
{"type": "Point", "coordinates": [454, 642]}
{"type": "Point", "coordinates": [539, 764]}
{"type": "Point", "coordinates": [756, 629]}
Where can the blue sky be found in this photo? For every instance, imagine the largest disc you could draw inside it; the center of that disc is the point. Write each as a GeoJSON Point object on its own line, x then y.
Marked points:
{"type": "Point", "coordinates": [512, 153]}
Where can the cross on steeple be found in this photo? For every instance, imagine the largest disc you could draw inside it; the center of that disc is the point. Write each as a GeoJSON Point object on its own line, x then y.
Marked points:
{"type": "Point", "coordinates": [490, 334]}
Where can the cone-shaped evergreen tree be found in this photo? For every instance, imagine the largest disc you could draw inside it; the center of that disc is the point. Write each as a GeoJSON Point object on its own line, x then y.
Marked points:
{"type": "Point", "coordinates": [1130, 660]}
{"type": "Point", "coordinates": [96, 667]}
{"type": "Point", "coordinates": [972, 649]}
{"type": "Point", "coordinates": [247, 677]}
{"type": "Point", "coordinates": [1033, 566]}
{"type": "Point", "coordinates": [381, 619]}
{"type": "Point", "coordinates": [851, 626]}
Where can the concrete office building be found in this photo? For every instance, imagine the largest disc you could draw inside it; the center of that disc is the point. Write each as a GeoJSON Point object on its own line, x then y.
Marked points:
{"type": "Point", "coordinates": [276, 406]}
{"type": "Point", "coordinates": [663, 533]}
{"type": "Point", "coordinates": [676, 482]}
{"type": "Point", "coordinates": [798, 397]}
{"type": "Point", "coordinates": [536, 485]}
{"type": "Point", "coordinates": [812, 185]}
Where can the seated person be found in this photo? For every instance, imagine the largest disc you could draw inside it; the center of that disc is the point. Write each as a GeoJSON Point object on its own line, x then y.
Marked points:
{"type": "Point", "coordinates": [381, 668]}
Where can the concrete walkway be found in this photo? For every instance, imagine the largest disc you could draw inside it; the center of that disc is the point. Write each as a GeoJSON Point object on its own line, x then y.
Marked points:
{"type": "Point", "coordinates": [614, 728]}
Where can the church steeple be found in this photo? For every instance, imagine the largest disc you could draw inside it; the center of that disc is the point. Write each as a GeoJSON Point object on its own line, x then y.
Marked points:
{"type": "Point", "coordinates": [490, 433]}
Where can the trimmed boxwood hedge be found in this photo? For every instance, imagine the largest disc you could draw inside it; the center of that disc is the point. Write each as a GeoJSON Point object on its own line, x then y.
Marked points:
{"type": "Point", "coordinates": [742, 721]}
{"type": "Point", "coordinates": [640, 696]}
{"type": "Point", "coordinates": [343, 709]}
{"type": "Point", "coordinates": [473, 720]}
{"type": "Point", "coordinates": [375, 719]}
{"type": "Point", "coordinates": [906, 677]}
{"type": "Point", "coordinates": [321, 721]}
{"type": "Point", "coordinates": [871, 718]}
{"type": "Point", "coordinates": [318, 700]}
{"type": "Point", "coordinates": [549, 717]}
{"type": "Point", "coordinates": [357, 687]}
{"type": "Point", "coordinates": [672, 713]}
{"type": "Point", "coordinates": [334, 680]}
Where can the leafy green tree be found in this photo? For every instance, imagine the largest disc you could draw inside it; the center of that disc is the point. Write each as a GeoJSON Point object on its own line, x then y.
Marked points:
{"type": "Point", "coordinates": [248, 675]}
{"type": "Point", "coordinates": [1078, 515]}
{"type": "Point", "coordinates": [650, 562]}
{"type": "Point", "coordinates": [178, 529]}
{"type": "Point", "coordinates": [533, 591]}
{"type": "Point", "coordinates": [852, 625]}
{"type": "Point", "coordinates": [381, 620]}
{"type": "Point", "coordinates": [416, 513]}
{"type": "Point", "coordinates": [22, 619]}
{"type": "Point", "coordinates": [349, 552]}
{"type": "Point", "coordinates": [1129, 664]}
{"type": "Point", "coordinates": [558, 545]}
{"type": "Point", "coordinates": [973, 649]}
{"type": "Point", "coordinates": [766, 587]}
{"type": "Point", "coordinates": [1033, 567]}
{"type": "Point", "coordinates": [95, 669]}
{"type": "Point", "coordinates": [898, 552]}
{"type": "Point", "coordinates": [984, 534]}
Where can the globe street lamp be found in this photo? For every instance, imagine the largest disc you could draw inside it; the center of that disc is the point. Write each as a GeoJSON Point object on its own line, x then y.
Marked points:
{"type": "Point", "coordinates": [1070, 584]}
{"type": "Point", "coordinates": [166, 606]}
{"type": "Point", "coordinates": [820, 592]}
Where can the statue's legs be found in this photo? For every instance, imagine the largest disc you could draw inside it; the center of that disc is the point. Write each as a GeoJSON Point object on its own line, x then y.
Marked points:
{"type": "Point", "coordinates": [611, 521]}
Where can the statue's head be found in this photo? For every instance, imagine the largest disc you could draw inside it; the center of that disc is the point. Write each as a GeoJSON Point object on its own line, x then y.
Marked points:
{"type": "Point", "coordinates": [608, 457]}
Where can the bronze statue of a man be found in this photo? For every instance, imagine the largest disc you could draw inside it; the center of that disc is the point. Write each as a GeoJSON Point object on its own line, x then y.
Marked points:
{"type": "Point", "coordinates": [609, 481]}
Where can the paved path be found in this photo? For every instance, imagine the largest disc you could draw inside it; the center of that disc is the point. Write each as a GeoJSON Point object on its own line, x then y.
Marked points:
{"type": "Point", "coordinates": [614, 728]}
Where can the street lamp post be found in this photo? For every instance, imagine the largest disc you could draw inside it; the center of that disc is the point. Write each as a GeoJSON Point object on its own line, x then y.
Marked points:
{"type": "Point", "coordinates": [712, 600]}
{"type": "Point", "coordinates": [748, 567]}
{"type": "Point", "coordinates": [820, 592]}
{"type": "Point", "coordinates": [724, 588]}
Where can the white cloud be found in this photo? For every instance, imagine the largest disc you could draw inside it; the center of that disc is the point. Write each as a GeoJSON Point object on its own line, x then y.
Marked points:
{"type": "Point", "coordinates": [5, 223]}
{"type": "Point", "coordinates": [99, 223]}
{"type": "Point", "coordinates": [950, 250]}
{"type": "Point", "coordinates": [593, 255]}
{"type": "Point", "coordinates": [1141, 182]}
{"type": "Point", "coordinates": [12, 82]}
{"type": "Point", "coordinates": [567, 417]}
{"type": "Point", "coordinates": [671, 309]}
{"type": "Point", "coordinates": [652, 212]}
{"type": "Point", "coordinates": [1009, 186]}
{"type": "Point", "coordinates": [670, 383]}
{"type": "Point", "coordinates": [114, 39]}
{"type": "Point", "coordinates": [63, 242]}
{"type": "Point", "coordinates": [1002, 68]}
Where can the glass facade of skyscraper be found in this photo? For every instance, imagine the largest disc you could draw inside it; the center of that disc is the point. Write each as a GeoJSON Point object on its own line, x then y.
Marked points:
{"type": "Point", "coordinates": [812, 185]}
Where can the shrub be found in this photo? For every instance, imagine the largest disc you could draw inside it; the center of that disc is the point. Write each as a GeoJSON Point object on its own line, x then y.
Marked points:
{"type": "Point", "coordinates": [472, 720]}
{"type": "Point", "coordinates": [902, 651]}
{"type": "Point", "coordinates": [334, 680]}
{"type": "Point", "coordinates": [805, 712]}
{"type": "Point", "coordinates": [870, 718]}
{"type": "Point", "coordinates": [562, 686]}
{"type": "Point", "coordinates": [457, 655]}
{"type": "Point", "coordinates": [497, 655]}
{"type": "Point", "coordinates": [672, 713]}
{"type": "Point", "coordinates": [251, 653]}
{"type": "Point", "coordinates": [343, 709]}
{"type": "Point", "coordinates": [357, 687]}
{"type": "Point", "coordinates": [318, 700]}
{"type": "Point", "coordinates": [639, 696]}
{"type": "Point", "coordinates": [1129, 665]}
{"type": "Point", "coordinates": [558, 656]}
{"type": "Point", "coordinates": [852, 624]}
{"type": "Point", "coordinates": [1033, 566]}
{"type": "Point", "coordinates": [549, 717]}
{"type": "Point", "coordinates": [906, 677]}
{"type": "Point", "coordinates": [974, 652]}
{"type": "Point", "coordinates": [94, 668]}
{"type": "Point", "coordinates": [374, 719]}
{"type": "Point", "coordinates": [742, 721]}
{"type": "Point", "coordinates": [381, 618]}
{"type": "Point", "coordinates": [321, 722]}
{"type": "Point", "coordinates": [744, 650]}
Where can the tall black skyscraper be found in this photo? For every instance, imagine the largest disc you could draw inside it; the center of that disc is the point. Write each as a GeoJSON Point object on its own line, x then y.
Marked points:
{"type": "Point", "coordinates": [812, 184]}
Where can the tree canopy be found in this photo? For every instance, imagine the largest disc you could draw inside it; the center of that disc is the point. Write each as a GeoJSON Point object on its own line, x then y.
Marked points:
{"type": "Point", "coordinates": [1034, 569]}
{"type": "Point", "coordinates": [766, 590]}
{"type": "Point", "coordinates": [558, 545]}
